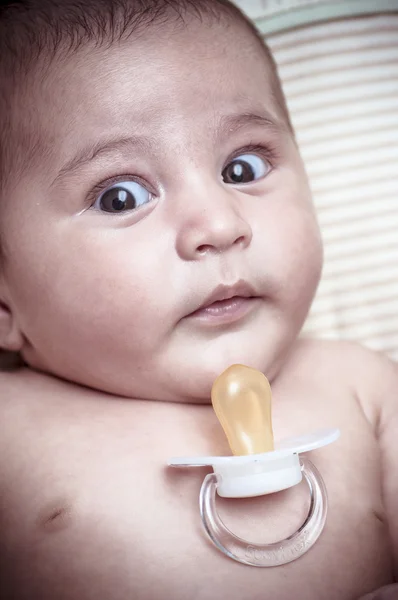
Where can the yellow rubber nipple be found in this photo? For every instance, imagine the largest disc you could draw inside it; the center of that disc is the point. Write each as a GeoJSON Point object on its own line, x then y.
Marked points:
{"type": "Point", "coordinates": [241, 398]}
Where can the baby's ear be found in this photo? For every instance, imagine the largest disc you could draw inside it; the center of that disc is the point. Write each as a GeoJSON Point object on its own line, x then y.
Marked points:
{"type": "Point", "coordinates": [11, 337]}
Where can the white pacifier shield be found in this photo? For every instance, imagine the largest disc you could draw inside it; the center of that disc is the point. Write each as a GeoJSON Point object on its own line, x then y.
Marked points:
{"type": "Point", "coordinates": [259, 474]}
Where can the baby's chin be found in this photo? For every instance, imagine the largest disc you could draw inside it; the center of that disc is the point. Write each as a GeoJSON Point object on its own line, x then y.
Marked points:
{"type": "Point", "coordinates": [194, 383]}
{"type": "Point", "coordinates": [189, 377]}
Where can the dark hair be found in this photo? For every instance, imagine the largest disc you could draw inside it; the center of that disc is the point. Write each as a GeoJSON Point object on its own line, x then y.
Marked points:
{"type": "Point", "coordinates": [33, 33]}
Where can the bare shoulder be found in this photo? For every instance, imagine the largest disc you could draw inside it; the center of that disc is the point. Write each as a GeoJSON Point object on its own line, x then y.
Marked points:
{"type": "Point", "coordinates": [371, 376]}
{"type": "Point", "coordinates": [23, 387]}
{"type": "Point", "coordinates": [26, 387]}
{"type": "Point", "coordinates": [17, 387]}
{"type": "Point", "coordinates": [31, 401]}
{"type": "Point", "coordinates": [27, 401]}
{"type": "Point", "coordinates": [15, 380]}
{"type": "Point", "coordinates": [343, 355]}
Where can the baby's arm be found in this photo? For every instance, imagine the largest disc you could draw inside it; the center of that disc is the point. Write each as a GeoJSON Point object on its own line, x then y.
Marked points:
{"type": "Point", "coordinates": [388, 437]}
{"type": "Point", "coordinates": [380, 376]}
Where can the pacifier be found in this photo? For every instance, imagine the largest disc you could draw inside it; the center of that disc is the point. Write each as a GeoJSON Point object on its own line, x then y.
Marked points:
{"type": "Point", "coordinates": [241, 398]}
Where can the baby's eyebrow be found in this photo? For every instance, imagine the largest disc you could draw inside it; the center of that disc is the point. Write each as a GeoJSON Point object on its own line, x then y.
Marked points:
{"type": "Point", "coordinates": [227, 125]}
{"type": "Point", "coordinates": [233, 122]}
{"type": "Point", "coordinates": [95, 150]}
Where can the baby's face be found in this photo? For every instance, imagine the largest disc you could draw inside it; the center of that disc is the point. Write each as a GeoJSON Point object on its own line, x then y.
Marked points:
{"type": "Point", "coordinates": [167, 171]}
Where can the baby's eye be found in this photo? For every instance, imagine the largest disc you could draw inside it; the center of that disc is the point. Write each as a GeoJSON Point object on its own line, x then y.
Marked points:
{"type": "Point", "coordinates": [245, 168]}
{"type": "Point", "coordinates": [123, 196]}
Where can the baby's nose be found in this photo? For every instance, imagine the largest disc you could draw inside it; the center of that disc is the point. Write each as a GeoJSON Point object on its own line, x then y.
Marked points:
{"type": "Point", "coordinates": [214, 225]}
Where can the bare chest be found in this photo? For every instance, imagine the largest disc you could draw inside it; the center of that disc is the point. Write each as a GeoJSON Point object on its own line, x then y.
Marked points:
{"type": "Point", "coordinates": [97, 514]}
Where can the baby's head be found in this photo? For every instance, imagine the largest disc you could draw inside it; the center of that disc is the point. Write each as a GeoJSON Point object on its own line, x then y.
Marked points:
{"type": "Point", "coordinates": [149, 169]}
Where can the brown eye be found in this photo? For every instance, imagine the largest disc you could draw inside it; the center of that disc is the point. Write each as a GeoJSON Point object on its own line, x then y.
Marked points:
{"type": "Point", "coordinates": [125, 196]}
{"type": "Point", "coordinates": [245, 169]}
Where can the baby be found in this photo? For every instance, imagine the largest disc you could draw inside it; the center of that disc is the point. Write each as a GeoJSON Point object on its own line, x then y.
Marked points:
{"type": "Point", "coordinates": [156, 228]}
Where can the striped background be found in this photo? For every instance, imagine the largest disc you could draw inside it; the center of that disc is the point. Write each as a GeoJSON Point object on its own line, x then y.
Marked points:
{"type": "Point", "coordinates": [341, 83]}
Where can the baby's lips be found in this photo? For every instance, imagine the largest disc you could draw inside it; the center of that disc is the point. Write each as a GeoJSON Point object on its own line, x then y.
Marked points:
{"type": "Point", "coordinates": [224, 292]}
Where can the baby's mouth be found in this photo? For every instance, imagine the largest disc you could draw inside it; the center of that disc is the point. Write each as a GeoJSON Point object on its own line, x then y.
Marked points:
{"type": "Point", "coordinates": [226, 304]}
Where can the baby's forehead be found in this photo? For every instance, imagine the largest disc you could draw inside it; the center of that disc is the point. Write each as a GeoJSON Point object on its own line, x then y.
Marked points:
{"type": "Point", "coordinates": [144, 86]}
{"type": "Point", "coordinates": [189, 53]}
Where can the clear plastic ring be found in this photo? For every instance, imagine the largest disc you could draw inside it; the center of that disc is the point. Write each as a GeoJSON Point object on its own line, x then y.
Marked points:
{"type": "Point", "coordinates": [266, 555]}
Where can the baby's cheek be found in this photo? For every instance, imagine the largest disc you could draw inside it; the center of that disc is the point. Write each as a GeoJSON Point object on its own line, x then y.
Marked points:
{"type": "Point", "coordinates": [300, 261]}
